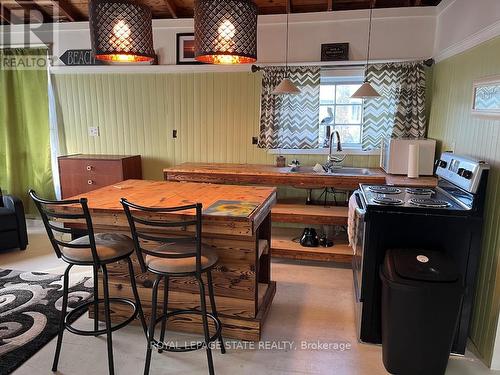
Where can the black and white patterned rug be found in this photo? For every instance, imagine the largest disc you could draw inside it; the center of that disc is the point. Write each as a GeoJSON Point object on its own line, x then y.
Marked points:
{"type": "Point", "coordinates": [30, 306]}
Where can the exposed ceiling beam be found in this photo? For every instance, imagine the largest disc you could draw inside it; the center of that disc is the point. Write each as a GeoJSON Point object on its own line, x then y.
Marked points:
{"type": "Point", "coordinates": [289, 6]}
{"type": "Point", "coordinates": [330, 6]}
{"type": "Point", "coordinates": [8, 15]}
{"type": "Point", "coordinates": [172, 8]}
{"type": "Point", "coordinates": [29, 6]}
{"type": "Point", "coordinates": [66, 9]}
{"type": "Point", "coordinates": [5, 14]}
{"type": "Point", "coordinates": [418, 3]}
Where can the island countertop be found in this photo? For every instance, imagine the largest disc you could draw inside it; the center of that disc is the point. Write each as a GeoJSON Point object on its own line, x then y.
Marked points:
{"type": "Point", "coordinates": [106, 201]}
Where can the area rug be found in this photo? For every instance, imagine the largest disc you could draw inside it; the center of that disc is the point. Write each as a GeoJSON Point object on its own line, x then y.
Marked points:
{"type": "Point", "coordinates": [30, 306]}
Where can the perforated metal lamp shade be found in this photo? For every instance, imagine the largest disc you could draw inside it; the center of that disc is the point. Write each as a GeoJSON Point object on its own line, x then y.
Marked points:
{"type": "Point", "coordinates": [225, 31]}
{"type": "Point", "coordinates": [121, 31]}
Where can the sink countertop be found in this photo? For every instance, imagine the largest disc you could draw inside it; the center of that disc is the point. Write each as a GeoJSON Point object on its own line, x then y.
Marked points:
{"type": "Point", "coordinates": [304, 177]}
{"type": "Point", "coordinates": [262, 174]}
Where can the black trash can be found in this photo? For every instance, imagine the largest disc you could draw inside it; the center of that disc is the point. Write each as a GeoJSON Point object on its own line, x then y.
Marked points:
{"type": "Point", "coordinates": [421, 297]}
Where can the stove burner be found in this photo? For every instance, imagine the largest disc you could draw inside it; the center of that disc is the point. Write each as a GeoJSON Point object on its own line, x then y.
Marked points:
{"type": "Point", "coordinates": [419, 191]}
{"type": "Point", "coordinates": [388, 201]}
{"type": "Point", "coordinates": [431, 203]}
{"type": "Point", "coordinates": [381, 189]}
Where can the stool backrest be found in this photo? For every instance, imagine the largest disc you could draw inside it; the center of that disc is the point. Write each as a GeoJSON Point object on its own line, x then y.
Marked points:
{"type": "Point", "coordinates": [50, 210]}
{"type": "Point", "coordinates": [144, 229]}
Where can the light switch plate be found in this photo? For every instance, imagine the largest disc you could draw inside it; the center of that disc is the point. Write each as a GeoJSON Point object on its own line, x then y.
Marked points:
{"type": "Point", "coordinates": [93, 131]}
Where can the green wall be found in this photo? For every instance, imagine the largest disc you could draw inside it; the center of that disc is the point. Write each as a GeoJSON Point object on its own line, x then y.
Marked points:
{"type": "Point", "coordinates": [451, 122]}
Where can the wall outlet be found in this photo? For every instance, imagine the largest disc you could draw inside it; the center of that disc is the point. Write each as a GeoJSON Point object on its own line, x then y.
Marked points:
{"type": "Point", "coordinates": [255, 140]}
{"type": "Point", "coordinates": [93, 131]}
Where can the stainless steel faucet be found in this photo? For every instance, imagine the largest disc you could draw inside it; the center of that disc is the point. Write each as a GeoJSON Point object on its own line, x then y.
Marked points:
{"type": "Point", "coordinates": [339, 144]}
{"type": "Point", "coordinates": [334, 159]}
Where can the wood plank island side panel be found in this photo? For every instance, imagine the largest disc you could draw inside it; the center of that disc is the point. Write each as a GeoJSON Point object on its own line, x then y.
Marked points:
{"type": "Point", "coordinates": [177, 300]}
{"type": "Point", "coordinates": [261, 174]}
{"type": "Point", "coordinates": [247, 329]}
{"type": "Point", "coordinates": [233, 276]}
{"type": "Point", "coordinates": [230, 279]}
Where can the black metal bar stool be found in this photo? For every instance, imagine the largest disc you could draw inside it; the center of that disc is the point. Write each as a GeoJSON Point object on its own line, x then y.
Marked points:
{"type": "Point", "coordinates": [96, 250]}
{"type": "Point", "coordinates": [180, 255]}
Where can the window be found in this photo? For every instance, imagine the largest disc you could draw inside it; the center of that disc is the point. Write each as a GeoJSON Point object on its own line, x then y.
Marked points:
{"type": "Point", "coordinates": [339, 111]}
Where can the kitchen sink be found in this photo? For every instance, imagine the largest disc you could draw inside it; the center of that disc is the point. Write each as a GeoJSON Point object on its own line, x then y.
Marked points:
{"type": "Point", "coordinates": [350, 171]}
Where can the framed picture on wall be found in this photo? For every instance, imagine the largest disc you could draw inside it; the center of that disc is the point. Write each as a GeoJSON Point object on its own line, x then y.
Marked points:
{"type": "Point", "coordinates": [486, 97]}
{"type": "Point", "coordinates": [185, 49]}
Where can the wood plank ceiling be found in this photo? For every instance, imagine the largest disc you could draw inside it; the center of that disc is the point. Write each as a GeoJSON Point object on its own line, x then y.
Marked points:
{"type": "Point", "coordinates": [26, 11]}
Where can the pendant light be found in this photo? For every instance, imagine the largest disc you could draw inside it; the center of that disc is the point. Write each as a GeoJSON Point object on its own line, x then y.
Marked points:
{"type": "Point", "coordinates": [225, 31]}
{"type": "Point", "coordinates": [121, 31]}
{"type": "Point", "coordinates": [286, 86]}
{"type": "Point", "coordinates": [366, 90]}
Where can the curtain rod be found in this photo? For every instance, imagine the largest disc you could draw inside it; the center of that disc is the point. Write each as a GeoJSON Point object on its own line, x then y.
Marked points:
{"type": "Point", "coordinates": [340, 64]}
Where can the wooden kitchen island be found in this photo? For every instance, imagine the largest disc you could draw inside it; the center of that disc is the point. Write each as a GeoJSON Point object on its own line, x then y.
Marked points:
{"type": "Point", "coordinates": [242, 278]}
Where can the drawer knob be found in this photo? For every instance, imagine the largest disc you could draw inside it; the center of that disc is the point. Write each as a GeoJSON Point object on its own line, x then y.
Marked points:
{"type": "Point", "coordinates": [89, 168]}
{"type": "Point", "coordinates": [90, 182]}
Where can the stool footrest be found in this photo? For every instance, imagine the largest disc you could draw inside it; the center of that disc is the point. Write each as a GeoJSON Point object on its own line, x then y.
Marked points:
{"type": "Point", "coordinates": [99, 332]}
{"type": "Point", "coordinates": [187, 348]}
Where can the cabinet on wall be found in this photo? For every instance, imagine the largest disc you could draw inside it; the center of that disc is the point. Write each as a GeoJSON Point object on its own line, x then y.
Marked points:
{"type": "Point", "coordinates": [82, 173]}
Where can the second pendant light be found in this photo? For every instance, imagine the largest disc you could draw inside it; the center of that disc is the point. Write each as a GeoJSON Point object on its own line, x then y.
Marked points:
{"type": "Point", "coordinates": [366, 90]}
{"type": "Point", "coordinates": [286, 86]}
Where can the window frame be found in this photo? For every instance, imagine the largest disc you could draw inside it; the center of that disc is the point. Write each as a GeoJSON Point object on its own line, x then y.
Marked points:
{"type": "Point", "coordinates": [333, 80]}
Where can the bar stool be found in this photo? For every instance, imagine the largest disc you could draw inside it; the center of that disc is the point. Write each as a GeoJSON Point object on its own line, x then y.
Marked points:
{"type": "Point", "coordinates": [96, 250]}
{"type": "Point", "coordinates": [180, 255]}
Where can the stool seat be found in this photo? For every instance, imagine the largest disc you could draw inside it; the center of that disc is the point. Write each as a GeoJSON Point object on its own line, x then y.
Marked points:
{"type": "Point", "coordinates": [109, 246]}
{"type": "Point", "coordinates": [180, 265]}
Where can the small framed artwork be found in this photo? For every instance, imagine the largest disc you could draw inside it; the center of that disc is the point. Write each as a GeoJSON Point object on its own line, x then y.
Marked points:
{"type": "Point", "coordinates": [185, 49]}
{"type": "Point", "coordinates": [335, 52]}
{"type": "Point", "coordinates": [486, 97]}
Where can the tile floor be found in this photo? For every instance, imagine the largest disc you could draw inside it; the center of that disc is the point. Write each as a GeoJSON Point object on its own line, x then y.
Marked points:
{"type": "Point", "coordinates": [313, 303]}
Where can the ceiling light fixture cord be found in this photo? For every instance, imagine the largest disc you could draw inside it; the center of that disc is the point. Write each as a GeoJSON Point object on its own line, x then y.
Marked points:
{"type": "Point", "coordinates": [369, 39]}
{"type": "Point", "coordinates": [286, 47]}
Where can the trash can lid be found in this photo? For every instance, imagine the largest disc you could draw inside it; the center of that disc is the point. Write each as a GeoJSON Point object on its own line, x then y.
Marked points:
{"type": "Point", "coordinates": [423, 265]}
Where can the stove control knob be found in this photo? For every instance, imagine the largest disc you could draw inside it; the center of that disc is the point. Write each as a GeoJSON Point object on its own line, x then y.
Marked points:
{"type": "Point", "coordinates": [442, 164]}
{"type": "Point", "coordinates": [460, 172]}
{"type": "Point", "coordinates": [467, 174]}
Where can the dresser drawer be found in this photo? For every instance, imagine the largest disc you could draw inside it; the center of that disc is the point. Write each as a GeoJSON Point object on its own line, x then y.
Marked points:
{"type": "Point", "coordinates": [105, 170]}
{"type": "Point", "coordinates": [79, 175]}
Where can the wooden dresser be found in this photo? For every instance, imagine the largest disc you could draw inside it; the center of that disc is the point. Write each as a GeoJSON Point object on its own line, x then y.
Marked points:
{"type": "Point", "coordinates": [82, 173]}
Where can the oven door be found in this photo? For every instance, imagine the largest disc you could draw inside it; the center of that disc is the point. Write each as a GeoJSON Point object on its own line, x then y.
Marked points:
{"type": "Point", "coordinates": [357, 259]}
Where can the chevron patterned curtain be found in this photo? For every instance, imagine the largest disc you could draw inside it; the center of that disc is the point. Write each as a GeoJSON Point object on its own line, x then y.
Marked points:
{"type": "Point", "coordinates": [290, 121]}
{"type": "Point", "coordinates": [400, 112]}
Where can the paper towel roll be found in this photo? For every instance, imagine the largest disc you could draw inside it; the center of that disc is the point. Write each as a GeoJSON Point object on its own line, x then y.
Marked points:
{"type": "Point", "coordinates": [413, 160]}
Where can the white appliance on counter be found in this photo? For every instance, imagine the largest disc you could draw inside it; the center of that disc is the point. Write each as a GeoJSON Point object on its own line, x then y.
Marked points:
{"type": "Point", "coordinates": [395, 151]}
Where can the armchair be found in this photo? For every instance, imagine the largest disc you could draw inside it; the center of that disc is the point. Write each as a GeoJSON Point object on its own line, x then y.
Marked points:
{"type": "Point", "coordinates": [13, 233]}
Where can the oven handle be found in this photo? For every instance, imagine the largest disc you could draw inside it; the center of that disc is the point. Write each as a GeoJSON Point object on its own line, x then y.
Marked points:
{"type": "Point", "coordinates": [360, 203]}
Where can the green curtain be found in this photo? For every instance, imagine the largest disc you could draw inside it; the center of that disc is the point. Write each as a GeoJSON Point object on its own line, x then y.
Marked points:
{"type": "Point", "coordinates": [25, 160]}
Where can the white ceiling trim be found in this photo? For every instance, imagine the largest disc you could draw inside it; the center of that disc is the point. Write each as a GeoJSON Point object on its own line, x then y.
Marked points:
{"type": "Point", "coordinates": [472, 41]}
